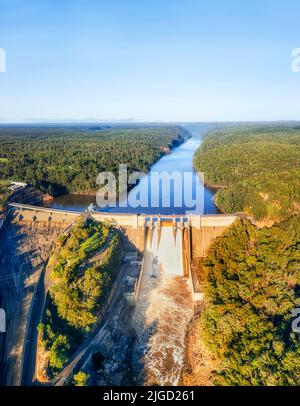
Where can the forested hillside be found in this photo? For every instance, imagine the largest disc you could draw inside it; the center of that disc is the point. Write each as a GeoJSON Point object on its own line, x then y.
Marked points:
{"type": "Point", "coordinates": [251, 286]}
{"type": "Point", "coordinates": [255, 168]}
{"type": "Point", "coordinates": [83, 267]}
{"type": "Point", "coordinates": [4, 194]}
{"type": "Point", "coordinates": [68, 159]}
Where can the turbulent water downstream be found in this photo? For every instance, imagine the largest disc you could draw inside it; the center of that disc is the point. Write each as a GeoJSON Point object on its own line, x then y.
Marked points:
{"type": "Point", "coordinates": [162, 313]}
{"type": "Point", "coordinates": [164, 307]}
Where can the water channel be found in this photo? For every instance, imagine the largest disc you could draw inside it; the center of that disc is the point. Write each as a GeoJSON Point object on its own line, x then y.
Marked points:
{"type": "Point", "coordinates": [178, 162]}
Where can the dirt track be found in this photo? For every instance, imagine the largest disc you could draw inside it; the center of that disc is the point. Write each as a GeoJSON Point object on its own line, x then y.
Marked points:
{"type": "Point", "coordinates": [23, 250]}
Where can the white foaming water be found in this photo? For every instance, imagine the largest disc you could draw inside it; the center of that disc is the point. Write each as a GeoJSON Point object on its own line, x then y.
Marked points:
{"type": "Point", "coordinates": [163, 310]}
{"type": "Point", "coordinates": [166, 248]}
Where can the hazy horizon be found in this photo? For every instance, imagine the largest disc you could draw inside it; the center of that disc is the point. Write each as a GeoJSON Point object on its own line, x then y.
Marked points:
{"type": "Point", "coordinates": [133, 121]}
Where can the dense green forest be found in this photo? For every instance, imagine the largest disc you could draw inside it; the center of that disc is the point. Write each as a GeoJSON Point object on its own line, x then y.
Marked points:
{"type": "Point", "coordinates": [4, 194]}
{"type": "Point", "coordinates": [251, 286]}
{"type": "Point", "coordinates": [255, 168]}
{"type": "Point", "coordinates": [68, 159]}
{"type": "Point", "coordinates": [83, 267]}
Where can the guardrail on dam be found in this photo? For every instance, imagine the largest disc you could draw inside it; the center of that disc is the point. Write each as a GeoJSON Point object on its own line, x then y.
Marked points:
{"type": "Point", "coordinates": [195, 232]}
{"type": "Point", "coordinates": [203, 228]}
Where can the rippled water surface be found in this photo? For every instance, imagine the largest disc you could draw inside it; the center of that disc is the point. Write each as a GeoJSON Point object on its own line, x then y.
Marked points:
{"type": "Point", "coordinates": [162, 314]}
{"type": "Point", "coordinates": [179, 160]}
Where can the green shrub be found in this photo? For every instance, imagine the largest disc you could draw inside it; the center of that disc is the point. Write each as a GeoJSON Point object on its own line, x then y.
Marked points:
{"type": "Point", "coordinates": [59, 353]}
{"type": "Point", "coordinates": [81, 379]}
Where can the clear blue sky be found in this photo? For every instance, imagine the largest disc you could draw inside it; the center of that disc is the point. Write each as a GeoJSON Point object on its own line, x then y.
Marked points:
{"type": "Point", "coordinates": [169, 60]}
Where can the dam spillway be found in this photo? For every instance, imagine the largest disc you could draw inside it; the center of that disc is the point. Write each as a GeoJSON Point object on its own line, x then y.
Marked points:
{"type": "Point", "coordinates": [164, 301]}
{"type": "Point", "coordinates": [164, 242]}
{"type": "Point", "coordinates": [204, 229]}
{"type": "Point", "coordinates": [164, 305]}
{"type": "Point", "coordinates": [163, 310]}
{"type": "Point", "coordinates": [168, 289]}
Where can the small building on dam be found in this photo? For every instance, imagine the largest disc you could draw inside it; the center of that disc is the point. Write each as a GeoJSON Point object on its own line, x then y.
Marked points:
{"type": "Point", "coordinates": [177, 243]}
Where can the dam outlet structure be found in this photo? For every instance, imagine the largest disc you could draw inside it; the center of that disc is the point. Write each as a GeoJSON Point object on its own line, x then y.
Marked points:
{"type": "Point", "coordinates": [176, 242]}
{"type": "Point", "coordinates": [168, 286]}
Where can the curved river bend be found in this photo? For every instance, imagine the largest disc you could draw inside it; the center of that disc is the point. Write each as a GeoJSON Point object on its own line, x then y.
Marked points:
{"type": "Point", "coordinates": [180, 160]}
{"type": "Point", "coordinates": [164, 307]}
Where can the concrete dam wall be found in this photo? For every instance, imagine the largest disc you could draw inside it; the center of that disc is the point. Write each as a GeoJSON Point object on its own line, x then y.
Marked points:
{"type": "Point", "coordinates": [166, 284]}
{"type": "Point", "coordinates": [192, 234]}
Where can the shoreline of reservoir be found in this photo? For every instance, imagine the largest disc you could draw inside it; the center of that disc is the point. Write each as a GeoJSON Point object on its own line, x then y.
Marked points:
{"type": "Point", "coordinates": [179, 159]}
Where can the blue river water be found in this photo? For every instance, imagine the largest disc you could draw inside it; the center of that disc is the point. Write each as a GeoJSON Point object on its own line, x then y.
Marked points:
{"type": "Point", "coordinates": [185, 194]}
